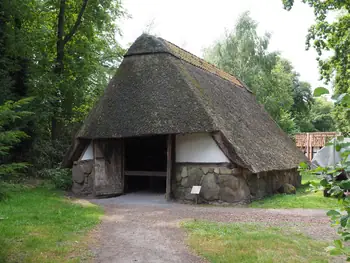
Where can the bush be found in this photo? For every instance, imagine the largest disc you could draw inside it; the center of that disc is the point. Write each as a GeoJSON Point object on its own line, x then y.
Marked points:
{"type": "Point", "coordinates": [8, 188]}
{"type": "Point", "coordinates": [45, 154]}
{"type": "Point", "coordinates": [61, 178]}
{"type": "Point", "coordinates": [3, 194]}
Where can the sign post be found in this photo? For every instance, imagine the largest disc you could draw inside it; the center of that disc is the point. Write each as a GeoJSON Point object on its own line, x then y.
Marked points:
{"type": "Point", "coordinates": [195, 191]}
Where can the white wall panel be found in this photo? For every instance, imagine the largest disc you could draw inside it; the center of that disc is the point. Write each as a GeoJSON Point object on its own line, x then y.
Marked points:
{"type": "Point", "coordinates": [89, 153]}
{"type": "Point", "coordinates": [198, 148]}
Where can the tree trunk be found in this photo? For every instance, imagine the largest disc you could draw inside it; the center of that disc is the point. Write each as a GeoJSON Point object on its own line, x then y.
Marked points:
{"type": "Point", "coordinates": [59, 67]}
{"type": "Point", "coordinates": [62, 40]}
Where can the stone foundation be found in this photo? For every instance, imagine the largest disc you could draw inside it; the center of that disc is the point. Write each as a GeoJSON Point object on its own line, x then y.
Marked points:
{"type": "Point", "coordinates": [83, 178]}
{"type": "Point", "coordinates": [267, 183]}
{"type": "Point", "coordinates": [225, 184]}
{"type": "Point", "coordinates": [220, 183]}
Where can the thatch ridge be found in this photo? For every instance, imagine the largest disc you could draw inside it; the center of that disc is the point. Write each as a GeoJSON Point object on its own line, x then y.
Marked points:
{"type": "Point", "coordinates": [160, 45]}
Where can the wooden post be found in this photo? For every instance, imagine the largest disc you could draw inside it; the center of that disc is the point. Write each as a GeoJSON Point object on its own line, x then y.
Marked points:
{"type": "Point", "coordinates": [169, 166]}
{"type": "Point", "coordinates": [125, 187]}
{"type": "Point", "coordinates": [306, 145]}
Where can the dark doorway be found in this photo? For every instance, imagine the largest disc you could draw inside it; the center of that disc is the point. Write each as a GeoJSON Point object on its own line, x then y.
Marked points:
{"type": "Point", "coordinates": [135, 183]}
{"type": "Point", "coordinates": [145, 164]}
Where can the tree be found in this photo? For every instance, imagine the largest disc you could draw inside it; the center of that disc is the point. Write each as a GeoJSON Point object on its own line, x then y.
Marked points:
{"type": "Point", "coordinates": [333, 36]}
{"type": "Point", "coordinates": [62, 53]}
{"type": "Point", "coordinates": [244, 54]}
{"type": "Point", "coordinates": [11, 135]}
{"type": "Point", "coordinates": [14, 49]}
{"type": "Point", "coordinates": [321, 115]}
{"type": "Point", "coordinates": [303, 102]}
{"type": "Point", "coordinates": [85, 43]}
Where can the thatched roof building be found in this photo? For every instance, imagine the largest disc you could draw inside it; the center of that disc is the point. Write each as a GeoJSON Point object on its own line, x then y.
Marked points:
{"type": "Point", "coordinates": [161, 89]}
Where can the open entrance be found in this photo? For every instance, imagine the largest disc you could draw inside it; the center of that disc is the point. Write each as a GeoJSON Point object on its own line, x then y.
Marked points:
{"type": "Point", "coordinates": [145, 164]}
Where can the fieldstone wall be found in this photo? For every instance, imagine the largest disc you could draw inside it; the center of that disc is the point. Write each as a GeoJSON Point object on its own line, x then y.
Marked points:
{"type": "Point", "coordinates": [219, 183]}
{"type": "Point", "coordinates": [267, 183]}
{"type": "Point", "coordinates": [83, 178]}
{"type": "Point", "coordinates": [227, 184]}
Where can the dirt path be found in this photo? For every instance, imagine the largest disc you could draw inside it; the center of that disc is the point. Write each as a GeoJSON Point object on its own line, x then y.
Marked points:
{"type": "Point", "coordinates": [147, 229]}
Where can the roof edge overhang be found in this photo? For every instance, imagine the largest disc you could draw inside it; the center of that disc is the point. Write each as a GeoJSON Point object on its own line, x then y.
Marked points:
{"type": "Point", "coordinates": [227, 148]}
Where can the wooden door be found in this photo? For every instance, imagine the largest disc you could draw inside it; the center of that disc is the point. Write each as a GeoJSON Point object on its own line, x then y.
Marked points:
{"type": "Point", "coordinates": [109, 178]}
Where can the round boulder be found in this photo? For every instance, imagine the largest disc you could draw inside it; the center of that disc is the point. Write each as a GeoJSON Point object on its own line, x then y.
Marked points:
{"type": "Point", "coordinates": [287, 189]}
{"type": "Point", "coordinates": [233, 189]}
{"type": "Point", "coordinates": [78, 174]}
{"type": "Point", "coordinates": [210, 190]}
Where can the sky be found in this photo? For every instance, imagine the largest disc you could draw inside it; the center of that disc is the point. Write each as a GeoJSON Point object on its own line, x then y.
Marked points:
{"type": "Point", "coordinates": [197, 24]}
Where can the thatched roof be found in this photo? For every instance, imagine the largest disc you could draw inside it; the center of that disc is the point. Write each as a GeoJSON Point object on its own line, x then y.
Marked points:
{"type": "Point", "coordinates": [162, 89]}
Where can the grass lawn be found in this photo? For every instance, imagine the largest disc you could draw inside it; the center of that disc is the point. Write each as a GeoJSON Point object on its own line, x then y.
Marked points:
{"type": "Point", "coordinates": [302, 199]}
{"type": "Point", "coordinates": [223, 243]}
{"type": "Point", "coordinates": [40, 225]}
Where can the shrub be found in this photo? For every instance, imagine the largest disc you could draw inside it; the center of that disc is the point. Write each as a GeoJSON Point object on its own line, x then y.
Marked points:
{"type": "Point", "coordinates": [61, 178]}
{"type": "Point", "coordinates": [11, 135]}
{"type": "Point", "coordinates": [339, 189]}
{"type": "Point", "coordinates": [8, 188]}
{"type": "Point", "coordinates": [46, 154]}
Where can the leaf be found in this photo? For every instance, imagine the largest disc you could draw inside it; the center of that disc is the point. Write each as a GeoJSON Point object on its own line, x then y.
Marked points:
{"type": "Point", "coordinates": [336, 191]}
{"type": "Point", "coordinates": [344, 220]}
{"type": "Point", "coordinates": [333, 213]}
{"type": "Point", "coordinates": [343, 99]}
{"type": "Point", "coordinates": [345, 184]}
{"type": "Point", "coordinates": [320, 91]}
{"type": "Point", "coordinates": [313, 183]}
{"type": "Point", "coordinates": [346, 237]}
{"type": "Point", "coordinates": [334, 251]}
{"type": "Point", "coordinates": [338, 147]}
{"type": "Point", "coordinates": [303, 165]}
{"type": "Point", "coordinates": [324, 182]}
{"type": "Point", "coordinates": [338, 243]}
{"type": "Point", "coordinates": [319, 169]}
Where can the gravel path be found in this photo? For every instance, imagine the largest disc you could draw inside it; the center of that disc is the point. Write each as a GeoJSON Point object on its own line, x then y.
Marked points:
{"type": "Point", "coordinates": [144, 228]}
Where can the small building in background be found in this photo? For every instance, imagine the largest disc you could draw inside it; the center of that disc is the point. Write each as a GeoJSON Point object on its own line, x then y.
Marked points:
{"type": "Point", "coordinates": [311, 142]}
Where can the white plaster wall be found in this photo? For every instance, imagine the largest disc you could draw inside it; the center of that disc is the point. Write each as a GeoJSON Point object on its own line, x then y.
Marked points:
{"type": "Point", "coordinates": [198, 148]}
{"type": "Point", "coordinates": [89, 153]}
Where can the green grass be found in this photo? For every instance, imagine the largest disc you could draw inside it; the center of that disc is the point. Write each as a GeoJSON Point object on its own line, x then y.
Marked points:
{"type": "Point", "coordinates": [304, 198]}
{"type": "Point", "coordinates": [40, 225]}
{"type": "Point", "coordinates": [252, 243]}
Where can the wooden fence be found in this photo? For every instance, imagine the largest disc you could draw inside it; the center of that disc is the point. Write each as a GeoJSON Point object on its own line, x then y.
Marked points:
{"type": "Point", "coordinates": [311, 142]}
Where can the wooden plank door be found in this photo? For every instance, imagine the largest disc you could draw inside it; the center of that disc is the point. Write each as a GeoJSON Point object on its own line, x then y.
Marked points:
{"type": "Point", "coordinates": [109, 178]}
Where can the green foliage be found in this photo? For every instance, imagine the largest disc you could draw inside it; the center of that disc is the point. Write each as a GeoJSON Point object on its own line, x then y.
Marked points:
{"type": "Point", "coordinates": [339, 190]}
{"type": "Point", "coordinates": [243, 53]}
{"type": "Point", "coordinates": [302, 104]}
{"type": "Point", "coordinates": [237, 242]}
{"type": "Point", "coordinates": [39, 225]}
{"type": "Point", "coordinates": [46, 154]}
{"type": "Point", "coordinates": [320, 91]}
{"type": "Point", "coordinates": [332, 35]}
{"type": "Point", "coordinates": [61, 178]}
{"type": "Point", "coordinates": [65, 80]}
{"type": "Point", "coordinates": [321, 115]}
{"type": "Point", "coordinates": [11, 135]}
{"type": "Point", "coordinates": [287, 122]}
